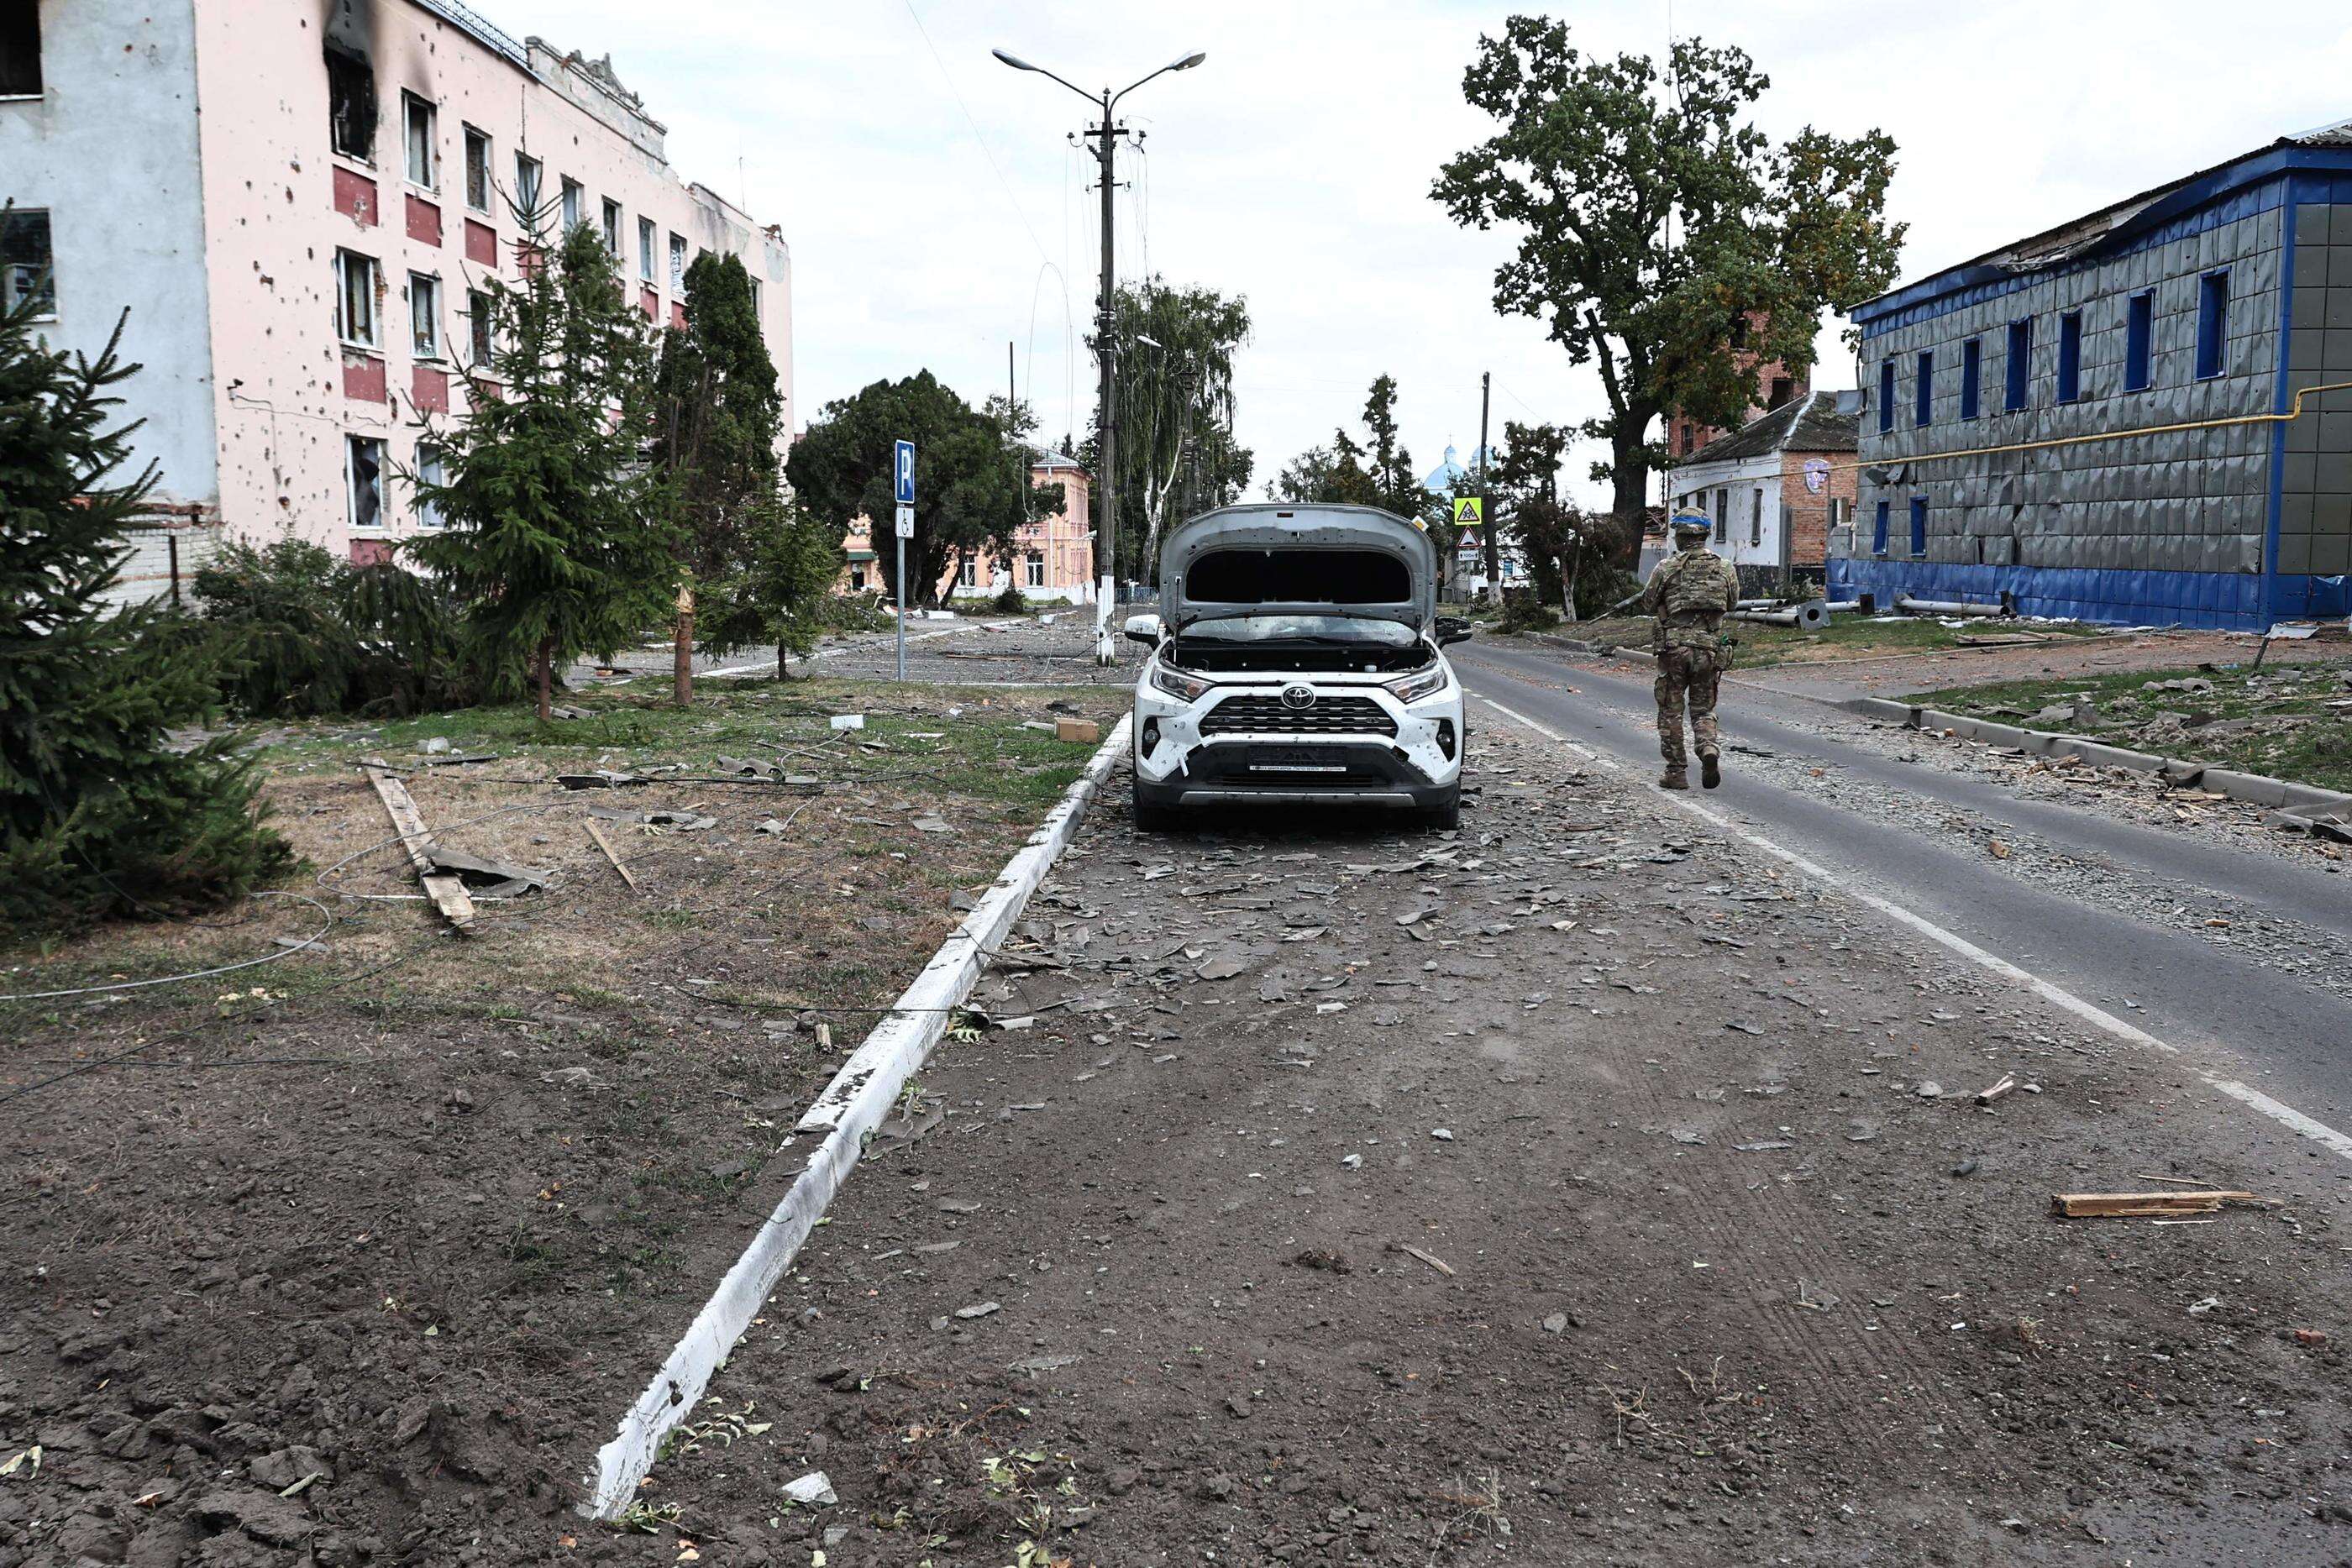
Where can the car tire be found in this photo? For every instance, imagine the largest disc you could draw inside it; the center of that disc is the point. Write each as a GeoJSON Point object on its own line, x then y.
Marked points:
{"type": "Point", "coordinates": [1442, 815]}
{"type": "Point", "coordinates": [1150, 817]}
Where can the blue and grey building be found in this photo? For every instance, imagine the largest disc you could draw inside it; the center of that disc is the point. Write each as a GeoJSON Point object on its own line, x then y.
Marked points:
{"type": "Point", "coordinates": [2095, 422]}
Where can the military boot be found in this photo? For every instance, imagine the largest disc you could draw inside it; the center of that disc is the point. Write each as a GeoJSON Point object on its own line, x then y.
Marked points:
{"type": "Point", "coordinates": [1710, 771]}
{"type": "Point", "coordinates": [1676, 779]}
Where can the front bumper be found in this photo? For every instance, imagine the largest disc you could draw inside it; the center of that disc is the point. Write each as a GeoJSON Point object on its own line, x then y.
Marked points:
{"type": "Point", "coordinates": [1176, 764]}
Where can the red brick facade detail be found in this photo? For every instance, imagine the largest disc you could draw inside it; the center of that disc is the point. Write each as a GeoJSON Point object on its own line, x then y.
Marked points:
{"type": "Point", "coordinates": [370, 552]}
{"type": "Point", "coordinates": [1774, 386]}
{"type": "Point", "coordinates": [363, 376]}
{"type": "Point", "coordinates": [677, 314]}
{"type": "Point", "coordinates": [428, 390]}
{"type": "Point", "coordinates": [481, 244]}
{"type": "Point", "coordinates": [423, 220]}
{"type": "Point", "coordinates": [355, 196]}
{"type": "Point", "coordinates": [1805, 513]}
{"type": "Point", "coordinates": [650, 303]}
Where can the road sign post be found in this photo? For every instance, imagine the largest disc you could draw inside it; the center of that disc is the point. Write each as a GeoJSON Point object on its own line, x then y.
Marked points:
{"type": "Point", "coordinates": [903, 465]}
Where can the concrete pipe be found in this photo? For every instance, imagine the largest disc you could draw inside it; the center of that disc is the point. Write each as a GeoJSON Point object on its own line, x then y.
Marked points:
{"type": "Point", "coordinates": [1812, 615]}
{"type": "Point", "coordinates": [1910, 606]}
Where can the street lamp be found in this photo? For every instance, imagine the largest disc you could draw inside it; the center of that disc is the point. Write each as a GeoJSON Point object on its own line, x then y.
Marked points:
{"type": "Point", "coordinates": [1105, 136]}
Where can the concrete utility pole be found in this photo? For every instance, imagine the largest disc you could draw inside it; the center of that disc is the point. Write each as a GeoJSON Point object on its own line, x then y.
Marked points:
{"type": "Point", "coordinates": [1105, 135]}
{"type": "Point", "coordinates": [1486, 501]}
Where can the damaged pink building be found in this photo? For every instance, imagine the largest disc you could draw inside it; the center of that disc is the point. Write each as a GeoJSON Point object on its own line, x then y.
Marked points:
{"type": "Point", "coordinates": [298, 202]}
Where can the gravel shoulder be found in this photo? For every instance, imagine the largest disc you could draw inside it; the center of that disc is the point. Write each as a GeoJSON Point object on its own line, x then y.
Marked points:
{"type": "Point", "coordinates": [1347, 1196]}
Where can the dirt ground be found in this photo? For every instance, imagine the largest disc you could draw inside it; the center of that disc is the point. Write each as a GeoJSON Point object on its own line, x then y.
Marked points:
{"type": "Point", "coordinates": [348, 1258]}
{"type": "Point", "coordinates": [1579, 1188]}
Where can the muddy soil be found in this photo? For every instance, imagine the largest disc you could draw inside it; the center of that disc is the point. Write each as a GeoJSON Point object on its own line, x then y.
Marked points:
{"type": "Point", "coordinates": [1578, 1188]}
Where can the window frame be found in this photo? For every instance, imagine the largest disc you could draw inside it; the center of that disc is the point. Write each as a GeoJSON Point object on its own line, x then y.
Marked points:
{"type": "Point", "coordinates": [612, 216]}
{"type": "Point", "coordinates": [1918, 527]}
{"type": "Point", "coordinates": [1887, 395]}
{"type": "Point", "coordinates": [40, 77]}
{"type": "Point", "coordinates": [427, 352]}
{"type": "Point", "coordinates": [373, 343]}
{"type": "Point", "coordinates": [529, 188]}
{"type": "Point", "coordinates": [476, 137]}
{"type": "Point", "coordinates": [411, 104]}
{"type": "Point", "coordinates": [648, 249]}
{"type": "Point", "coordinates": [1723, 514]}
{"type": "Point", "coordinates": [44, 281]}
{"type": "Point", "coordinates": [680, 257]}
{"type": "Point", "coordinates": [345, 60]}
{"type": "Point", "coordinates": [1972, 378]}
{"type": "Point", "coordinates": [432, 469]}
{"type": "Point", "coordinates": [2017, 392]}
{"type": "Point", "coordinates": [2070, 356]}
{"type": "Point", "coordinates": [1034, 568]}
{"type": "Point", "coordinates": [1880, 522]}
{"type": "Point", "coordinates": [1756, 519]}
{"type": "Point", "coordinates": [1923, 397]}
{"type": "Point", "coordinates": [570, 195]}
{"type": "Point", "coordinates": [353, 441]}
{"type": "Point", "coordinates": [2140, 340]}
{"type": "Point", "coordinates": [481, 335]}
{"type": "Point", "coordinates": [2214, 324]}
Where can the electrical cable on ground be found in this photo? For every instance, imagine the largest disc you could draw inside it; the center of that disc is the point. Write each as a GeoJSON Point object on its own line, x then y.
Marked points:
{"type": "Point", "coordinates": [310, 941]}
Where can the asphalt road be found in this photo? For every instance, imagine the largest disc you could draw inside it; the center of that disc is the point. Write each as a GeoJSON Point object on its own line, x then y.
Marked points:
{"type": "Point", "coordinates": [2291, 1038]}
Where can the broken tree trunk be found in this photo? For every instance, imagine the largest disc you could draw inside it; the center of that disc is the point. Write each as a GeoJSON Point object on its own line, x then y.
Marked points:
{"type": "Point", "coordinates": [2141, 1205]}
{"type": "Point", "coordinates": [446, 891]}
{"type": "Point", "coordinates": [682, 653]}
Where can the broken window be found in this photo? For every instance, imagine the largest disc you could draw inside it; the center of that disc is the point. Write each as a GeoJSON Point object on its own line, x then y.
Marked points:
{"type": "Point", "coordinates": [355, 291]}
{"type": "Point", "coordinates": [425, 315]}
{"type": "Point", "coordinates": [20, 49]}
{"type": "Point", "coordinates": [432, 470]}
{"type": "Point", "coordinates": [572, 195]}
{"type": "Point", "coordinates": [477, 170]}
{"type": "Point", "coordinates": [423, 128]}
{"type": "Point", "coordinates": [26, 271]}
{"type": "Point", "coordinates": [527, 180]}
{"type": "Point", "coordinates": [647, 244]}
{"type": "Point", "coordinates": [363, 460]}
{"type": "Point", "coordinates": [677, 265]}
{"type": "Point", "coordinates": [351, 105]}
{"type": "Point", "coordinates": [613, 228]}
{"type": "Point", "coordinates": [477, 319]}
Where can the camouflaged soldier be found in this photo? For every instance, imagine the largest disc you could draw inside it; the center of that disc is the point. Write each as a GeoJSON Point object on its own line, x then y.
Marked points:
{"type": "Point", "coordinates": [1690, 592]}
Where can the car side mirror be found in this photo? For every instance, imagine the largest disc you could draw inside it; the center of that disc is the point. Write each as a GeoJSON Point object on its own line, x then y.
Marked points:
{"type": "Point", "coordinates": [1453, 628]}
{"type": "Point", "coordinates": [1143, 629]}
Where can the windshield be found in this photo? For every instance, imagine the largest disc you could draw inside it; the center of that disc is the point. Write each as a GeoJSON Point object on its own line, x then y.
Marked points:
{"type": "Point", "coordinates": [1299, 577]}
{"type": "Point", "coordinates": [1302, 628]}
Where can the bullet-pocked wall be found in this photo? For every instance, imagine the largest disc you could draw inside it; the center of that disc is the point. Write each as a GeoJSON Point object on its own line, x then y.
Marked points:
{"type": "Point", "coordinates": [2205, 302]}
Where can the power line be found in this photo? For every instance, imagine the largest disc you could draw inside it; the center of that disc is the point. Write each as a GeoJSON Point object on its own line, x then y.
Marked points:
{"type": "Point", "coordinates": [983, 141]}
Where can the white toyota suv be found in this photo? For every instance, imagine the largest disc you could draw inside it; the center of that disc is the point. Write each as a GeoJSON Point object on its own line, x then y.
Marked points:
{"type": "Point", "coordinates": [1296, 659]}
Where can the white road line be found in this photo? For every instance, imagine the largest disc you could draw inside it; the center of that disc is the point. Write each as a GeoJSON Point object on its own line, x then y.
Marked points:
{"type": "Point", "coordinates": [2098, 1016]}
{"type": "Point", "coordinates": [853, 648]}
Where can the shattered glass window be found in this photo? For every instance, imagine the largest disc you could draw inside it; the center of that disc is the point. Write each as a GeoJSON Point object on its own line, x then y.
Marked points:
{"type": "Point", "coordinates": [477, 170]}
{"type": "Point", "coordinates": [351, 105]}
{"type": "Point", "coordinates": [355, 297]}
{"type": "Point", "coordinates": [26, 272]}
{"type": "Point", "coordinates": [366, 459]}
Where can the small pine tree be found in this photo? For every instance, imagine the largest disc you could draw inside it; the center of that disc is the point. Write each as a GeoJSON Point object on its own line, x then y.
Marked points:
{"type": "Point", "coordinates": [559, 535]}
{"type": "Point", "coordinates": [98, 816]}
{"type": "Point", "coordinates": [780, 594]}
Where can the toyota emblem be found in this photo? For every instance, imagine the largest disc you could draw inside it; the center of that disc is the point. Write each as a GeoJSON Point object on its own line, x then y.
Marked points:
{"type": "Point", "coordinates": [1298, 697]}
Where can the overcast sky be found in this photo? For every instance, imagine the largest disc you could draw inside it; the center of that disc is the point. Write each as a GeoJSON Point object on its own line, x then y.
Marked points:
{"type": "Point", "coordinates": [936, 211]}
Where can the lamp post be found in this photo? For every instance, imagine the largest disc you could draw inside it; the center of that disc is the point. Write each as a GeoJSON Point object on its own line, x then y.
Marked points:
{"type": "Point", "coordinates": [1105, 136]}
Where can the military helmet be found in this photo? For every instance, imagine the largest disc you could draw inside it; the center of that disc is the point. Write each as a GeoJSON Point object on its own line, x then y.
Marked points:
{"type": "Point", "coordinates": [1686, 524]}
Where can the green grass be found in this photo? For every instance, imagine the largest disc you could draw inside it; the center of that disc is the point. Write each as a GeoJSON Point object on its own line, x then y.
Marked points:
{"type": "Point", "coordinates": [1757, 647]}
{"type": "Point", "coordinates": [2315, 751]}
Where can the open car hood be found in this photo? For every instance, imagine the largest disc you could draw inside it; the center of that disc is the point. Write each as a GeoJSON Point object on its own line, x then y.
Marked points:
{"type": "Point", "coordinates": [1297, 560]}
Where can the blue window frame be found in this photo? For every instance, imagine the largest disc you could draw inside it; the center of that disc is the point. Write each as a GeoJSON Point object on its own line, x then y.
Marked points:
{"type": "Point", "coordinates": [2212, 322]}
{"type": "Point", "coordinates": [1878, 533]}
{"type": "Point", "coordinates": [1918, 525]}
{"type": "Point", "coordinates": [2140, 329]}
{"type": "Point", "coordinates": [2020, 365]}
{"type": "Point", "coordinates": [1923, 404]}
{"type": "Point", "coordinates": [1885, 396]}
{"type": "Point", "coordinates": [2070, 356]}
{"type": "Point", "coordinates": [1971, 377]}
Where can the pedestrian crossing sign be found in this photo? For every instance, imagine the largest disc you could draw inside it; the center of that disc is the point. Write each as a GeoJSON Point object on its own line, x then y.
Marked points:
{"type": "Point", "coordinates": [1469, 509]}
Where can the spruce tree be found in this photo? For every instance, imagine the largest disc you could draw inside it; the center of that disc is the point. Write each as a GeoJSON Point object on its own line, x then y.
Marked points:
{"type": "Point", "coordinates": [560, 536]}
{"type": "Point", "coordinates": [779, 591]}
{"type": "Point", "coordinates": [98, 815]}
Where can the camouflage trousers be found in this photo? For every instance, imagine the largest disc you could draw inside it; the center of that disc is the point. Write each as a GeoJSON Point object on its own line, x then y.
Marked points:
{"type": "Point", "coordinates": [1687, 677]}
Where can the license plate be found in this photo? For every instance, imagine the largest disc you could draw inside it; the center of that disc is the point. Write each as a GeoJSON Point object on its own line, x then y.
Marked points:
{"type": "Point", "coordinates": [1294, 762]}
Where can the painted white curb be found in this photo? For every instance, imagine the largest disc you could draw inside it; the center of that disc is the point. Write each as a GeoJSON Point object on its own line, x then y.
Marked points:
{"type": "Point", "coordinates": [851, 1107]}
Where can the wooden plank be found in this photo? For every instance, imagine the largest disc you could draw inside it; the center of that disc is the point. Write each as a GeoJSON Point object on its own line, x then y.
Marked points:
{"type": "Point", "coordinates": [447, 892]}
{"type": "Point", "coordinates": [2139, 1205]}
{"type": "Point", "coordinates": [606, 844]}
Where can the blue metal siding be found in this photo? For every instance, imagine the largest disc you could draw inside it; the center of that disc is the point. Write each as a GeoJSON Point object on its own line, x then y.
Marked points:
{"type": "Point", "coordinates": [2219, 600]}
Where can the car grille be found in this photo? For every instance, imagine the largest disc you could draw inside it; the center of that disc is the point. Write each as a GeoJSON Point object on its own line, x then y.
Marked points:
{"type": "Point", "coordinates": [1328, 715]}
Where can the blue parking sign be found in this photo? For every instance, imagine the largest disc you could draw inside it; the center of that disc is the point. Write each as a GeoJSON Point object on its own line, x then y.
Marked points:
{"type": "Point", "coordinates": [906, 470]}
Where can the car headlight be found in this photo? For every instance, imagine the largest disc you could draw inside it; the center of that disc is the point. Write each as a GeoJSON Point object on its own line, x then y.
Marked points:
{"type": "Point", "coordinates": [1413, 688]}
{"type": "Point", "coordinates": [1178, 684]}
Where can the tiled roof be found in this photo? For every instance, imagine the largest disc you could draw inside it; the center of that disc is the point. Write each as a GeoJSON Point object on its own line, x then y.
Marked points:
{"type": "Point", "coordinates": [1808, 424]}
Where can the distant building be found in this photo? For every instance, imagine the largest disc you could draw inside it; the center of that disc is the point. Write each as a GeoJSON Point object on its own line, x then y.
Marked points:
{"type": "Point", "coordinates": [1775, 387]}
{"type": "Point", "coordinates": [299, 259]}
{"type": "Point", "coordinates": [2126, 372]}
{"type": "Point", "coordinates": [1054, 560]}
{"type": "Point", "coordinates": [1776, 490]}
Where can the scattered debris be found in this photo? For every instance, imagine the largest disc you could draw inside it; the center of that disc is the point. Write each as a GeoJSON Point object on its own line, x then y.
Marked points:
{"type": "Point", "coordinates": [1987, 1095]}
{"type": "Point", "coordinates": [1965, 1168]}
{"type": "Point", "coordinates": [978, 1310]}
{"type": "Point", "coordinates": [446, 891]}
{"type": "Point", "coordinates": [1439, 1264]}
{"type": "Point", "coordinates": [812, 1490]}
{"type": "Point", "coordinates": [1442, 1134]}
{"type": "Point", "coordinates": [1084, 731]}
{"type": "Point", "coordinates": [1330, 1262]}
{"type": "Point", "coordinates": [848, 721]}
{"type": "Point", "coordinates": [2138, 1205]}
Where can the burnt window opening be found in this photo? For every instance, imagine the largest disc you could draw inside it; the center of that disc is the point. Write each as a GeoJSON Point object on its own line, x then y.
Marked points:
{"type": "Point", "coordinates": [20, 49]}
{"type": "Point", "coordinates": [1739, 331]}
{"type": "Point", "coordinates": [477, 170]}
{"type": "Point", "coordinates": [1297, 577]}
{"type": "Point", "coordinates": [351, 105]}
{"type": "Point", "coordinates": [27, 273]}
{"type": "Point", "coordinates": [365, 458]}
{"type": "Point", "coordinates": [1783, 389]}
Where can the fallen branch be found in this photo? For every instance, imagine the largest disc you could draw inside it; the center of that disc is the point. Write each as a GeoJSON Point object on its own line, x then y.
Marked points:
{"type": "Point", "coordinates": [1439, 1264]}
{"type": "Point", "coordinates": [2141, 1205]}
{"type": "Point", "coordinates": [606, 844]}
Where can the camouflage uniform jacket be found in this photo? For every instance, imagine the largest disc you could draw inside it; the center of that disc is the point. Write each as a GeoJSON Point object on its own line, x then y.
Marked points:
{"type": "Point", "coordinates": [1689, 593]}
